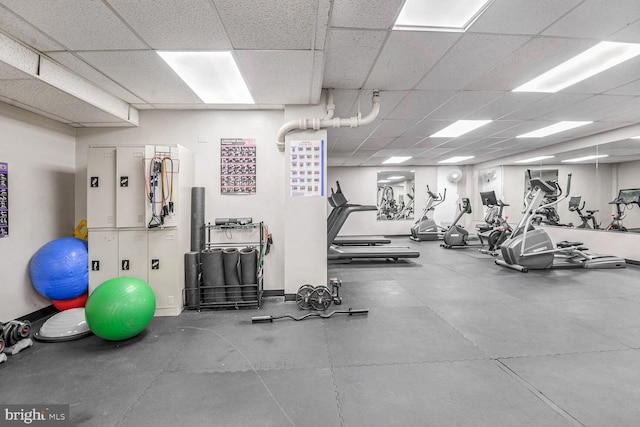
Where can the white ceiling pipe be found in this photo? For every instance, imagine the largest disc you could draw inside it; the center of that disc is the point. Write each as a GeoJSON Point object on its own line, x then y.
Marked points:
{"type": "Point", "coordinates": [329, 120]}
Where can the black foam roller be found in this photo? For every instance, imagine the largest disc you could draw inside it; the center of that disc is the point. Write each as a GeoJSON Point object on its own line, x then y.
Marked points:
{"type": "Point", "coordinates": [213, 282]}
{"type": "Point", "coordinates": [231, 276]}
{"type": "Point", "coordinates": [248, 274]}
{"type": "Point", "coordinates": [197, 218]}
{"type": "Point", "coordinates": [191, 278]}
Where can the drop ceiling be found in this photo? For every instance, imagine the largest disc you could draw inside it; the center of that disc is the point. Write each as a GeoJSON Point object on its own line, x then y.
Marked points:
{"type": "Point", "coordinates": [95, 66]}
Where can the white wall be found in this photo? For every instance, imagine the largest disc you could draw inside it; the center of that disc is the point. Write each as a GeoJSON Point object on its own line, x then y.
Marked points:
{"type": "Point", "coordinates": [41, 158]}
{"type": "Point", "coordinates": [360, 186]}
{"type": "Point", "coordinates": [184, 128]}
{"type": "Point", "coordinates": [593, 185]}
{"type": "Point", "coordinates": [628, 176]}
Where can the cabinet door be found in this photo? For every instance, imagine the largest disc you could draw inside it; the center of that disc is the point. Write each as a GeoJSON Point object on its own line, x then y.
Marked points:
{"type": "Point", "coordinates": [103, 257]}
{"type": "Point", "coordinates": [166, 268]}
{"type": "Point", "coordinates": [101, 193]}
{"type": "Point", "coordinates": [132, 253]}
{"type": "Point", "coordinates": [130, 187]}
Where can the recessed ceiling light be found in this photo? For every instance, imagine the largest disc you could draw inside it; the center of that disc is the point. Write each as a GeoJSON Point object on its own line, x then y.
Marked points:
{"type": "Point", "coordinates": [382, 181]}
{"type": "Point", "coordinates": [599, 58]}
{"type": "Point", "coordinates": [553, 129]}
{"type": "Point", "coordinates": [437, 15]}
{"type": "Point", "coordinates": [585, 158]}
{"type": "Point", "coordinates": [635, 137]}
{"type": "Point", "coordinates": [535, 159]}
{"type": "Point", "coordinates": [213, 76]}
{"type": "Point", "coordinates": [459, 128]}
{"type": "Point", "coordinates": [396, 160]}
{"type": "Point", "coordinates": [395, 177]}
{"type": "Point", "coordinates": [456, 159]}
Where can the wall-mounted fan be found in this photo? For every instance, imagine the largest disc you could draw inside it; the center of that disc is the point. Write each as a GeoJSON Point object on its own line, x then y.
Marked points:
{"type": "Point", "coordinates": [454, 176]}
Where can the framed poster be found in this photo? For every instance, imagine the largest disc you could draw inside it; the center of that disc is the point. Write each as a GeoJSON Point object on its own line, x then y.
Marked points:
{"type": "Point", "coordinates": [4, 200]}
{"type": "Point", "coordinates": [238, 166]}
{"type": "Point", "coordinates": [307, 168]}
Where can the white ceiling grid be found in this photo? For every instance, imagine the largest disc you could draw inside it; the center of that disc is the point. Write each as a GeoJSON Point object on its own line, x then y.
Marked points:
{"type": "Point", "coordinates": [289, 50]}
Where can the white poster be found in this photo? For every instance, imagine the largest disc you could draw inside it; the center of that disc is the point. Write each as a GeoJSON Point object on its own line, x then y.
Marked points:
{"type": "Point", "coordinates": [307, 168]}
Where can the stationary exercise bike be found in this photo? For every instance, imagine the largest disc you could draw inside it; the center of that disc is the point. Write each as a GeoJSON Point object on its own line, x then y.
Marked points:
{"type": "Point", "coordinates": [456, 236]}
{"type": "Point", "coordinates": [574, 206]}
{"type": "Point", "coordinates": [625, 200]}
{"type": "Point", "coordinates": [496, 228]}
{"type": "Point", "coordinates": [426, 228]}
{"type": "Point", "coordinates": [531, 248]}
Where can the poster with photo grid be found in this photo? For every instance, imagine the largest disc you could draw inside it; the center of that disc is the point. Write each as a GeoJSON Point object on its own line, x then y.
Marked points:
{"type": "Point", "coordinates": [238, 166]}
{"type": "Point", "coordinates": [4, 200]}
{"type": "Point", "coordinates": [307, 168]}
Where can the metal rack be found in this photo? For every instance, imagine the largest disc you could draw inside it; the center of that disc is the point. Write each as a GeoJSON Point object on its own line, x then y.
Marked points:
{"type": "Point", "coordinates": [227, 236]}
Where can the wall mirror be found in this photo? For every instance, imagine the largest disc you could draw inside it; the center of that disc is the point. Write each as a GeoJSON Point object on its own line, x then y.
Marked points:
{"type": "Point", "coordinates": [395, 195]}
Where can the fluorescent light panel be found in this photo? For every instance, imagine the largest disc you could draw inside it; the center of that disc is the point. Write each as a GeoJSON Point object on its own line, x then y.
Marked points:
{"type": "Point", "coordinates": [396, 160]}
{"type": "Point", "coordinates": [599, 58]}
{"type": "Point", "coordinates": [585, 158]}
{"type": "Point", "coordinates": [438, 15]}
{"type": "Point", "coordinates": [456, 159]}
{"type": "Point", "coordinates": [553, 129]}
{"type": "Point", "coordinates": [535, 159]}
{"type": "Point", "coordinates": [396, 177]}
{"type": "Point", "coordinates": [459, 128]}
{"type": "Point", "coordinates": [213, 76]}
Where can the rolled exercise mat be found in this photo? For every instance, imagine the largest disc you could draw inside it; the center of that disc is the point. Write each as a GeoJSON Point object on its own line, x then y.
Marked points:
{"type": "Point", "coordinates": [231, 276]}
{"type": "Point", "coordinates": [248, 275]}
{"type": "Point", "coordinates": [197, 218]}
{"type": "Point", "coordinates": [213, 286]}
{"type": "Point", "coordinates": [191, 279]}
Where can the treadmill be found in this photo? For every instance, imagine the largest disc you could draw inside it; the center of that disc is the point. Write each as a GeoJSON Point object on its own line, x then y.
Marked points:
{"type": "Point", "coordinates": [345, 253]}
{"type": "Point", "coordinates": [339, 203]}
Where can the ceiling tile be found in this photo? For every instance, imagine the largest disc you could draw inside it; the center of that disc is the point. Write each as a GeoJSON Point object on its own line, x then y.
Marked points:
{"type": "Point", "coordinates": [322, 24]}
{"type": "Point", "coordinates": [464, 103]}
{"type": "Point", "coordinates": [545, 105]}
{"type": "Point", "coordinates": [393, 128]}
{"type": "Point", "coordinates": [536, 56]}
{"type": "Point", "coordinates": [144, 74]}
{"type": "Point", "coordinates": [376, 14]}
{"type": "Point", "coordinates": [620, 75]}
{"type": "Point", "coordinates": [508, 103]}
{"type": "Point", "coordinates": [277, 76]}
{"type": "Point", "coordinates": [350, 55]}
{"type": "Point", "coordinates": [521, 16]}
{"type": "Point", "coordinates": [78, 66]}
{"type": "Point", "coordinates": [407, 56]}
{"type": "Point", "coordinates": [167, 24]}
{"type": "Point", "coordinates": [418, 104]}
{"type": "Point", "coordinates": [267, 24]}
{"type": "Point", "coordinates": [471, 57]}
{"type": "Point", "coordinates": [596, 19]}
{"type": "Point", "coordinates": [22, 30]}
{"type": "Point", "coordinates": [586, 109]}
{"type": "Point", "coordinates": [77, 24]}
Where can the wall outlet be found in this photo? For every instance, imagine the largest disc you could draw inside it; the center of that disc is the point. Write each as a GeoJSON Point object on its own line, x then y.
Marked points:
{"type": "Point", "coordinates": [170, 300]}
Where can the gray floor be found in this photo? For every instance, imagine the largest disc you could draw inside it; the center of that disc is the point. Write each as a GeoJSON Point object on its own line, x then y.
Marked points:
{"type": "Point", "coordinates": [450, 340]}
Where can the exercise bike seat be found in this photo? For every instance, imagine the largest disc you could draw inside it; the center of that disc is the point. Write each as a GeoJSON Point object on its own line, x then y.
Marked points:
{"type": "Point", "coordinates": [567, 244]}
{"type": "Point", "coordinates": [592, 212]}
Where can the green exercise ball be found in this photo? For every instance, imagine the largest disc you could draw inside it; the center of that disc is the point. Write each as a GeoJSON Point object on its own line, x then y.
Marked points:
{"type": "Point", "coordinates": [120, 308]}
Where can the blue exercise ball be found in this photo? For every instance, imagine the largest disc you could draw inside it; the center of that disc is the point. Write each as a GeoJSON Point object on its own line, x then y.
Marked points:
{"type": "Point", "coordinates": [120, 308]}
{"type": "Point", "coordinates": [60, 269]}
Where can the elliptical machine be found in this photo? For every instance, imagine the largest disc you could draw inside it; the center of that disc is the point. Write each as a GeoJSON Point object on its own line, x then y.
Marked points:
{"type": "Point", "coordinates": [531, 248]}
{"type": "Point", "coordinates": [456, 235]}
{"type": "Point", "coordinates": [426, 228]}
{"type": "Point", "coordinates": [574, 206]}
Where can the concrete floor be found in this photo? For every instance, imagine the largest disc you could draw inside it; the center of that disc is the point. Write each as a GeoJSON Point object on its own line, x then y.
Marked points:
{"type": "Point", "coordinates": [450, 340]}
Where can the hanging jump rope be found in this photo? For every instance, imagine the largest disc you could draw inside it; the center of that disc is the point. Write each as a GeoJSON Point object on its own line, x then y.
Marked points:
{"type": "Point", "coordinates": [160, 168]}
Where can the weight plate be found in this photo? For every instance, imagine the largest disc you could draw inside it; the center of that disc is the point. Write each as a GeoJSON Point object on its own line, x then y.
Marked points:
{"type": "Point", "coordinates": [302, 296]}
{"type": "Point", "coordinates": [25, 330]}
{"type": "Point", "coordinates": [321, 298]}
